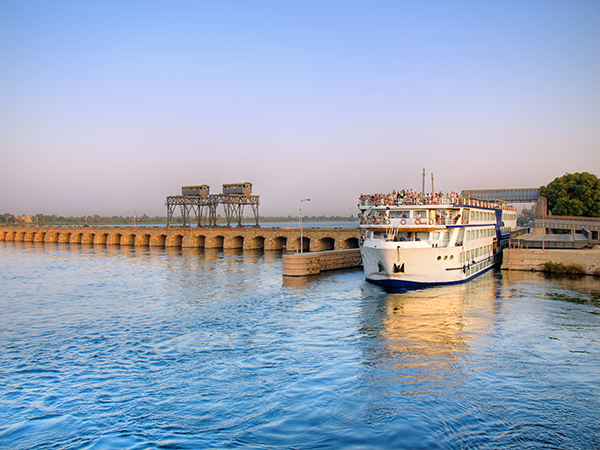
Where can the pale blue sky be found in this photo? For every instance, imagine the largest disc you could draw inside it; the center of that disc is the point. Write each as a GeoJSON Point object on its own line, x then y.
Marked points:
{"type": "Point", "coordinates": [107, 107]}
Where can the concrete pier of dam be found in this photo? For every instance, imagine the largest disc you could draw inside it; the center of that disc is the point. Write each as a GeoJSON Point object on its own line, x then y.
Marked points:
{"type": "Point", "coordinates": [313, 263]}
{"type": "Point", "coordinates": [287, 239]}
{"type": "Point", "coordinates": [534, 259]}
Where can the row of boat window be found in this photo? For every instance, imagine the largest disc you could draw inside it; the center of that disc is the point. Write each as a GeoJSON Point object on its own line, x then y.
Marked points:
{"type": "Point", "coordinates": [411, 236]}
{"type": "Point", "coordinates": [477, 267]}
{"type": "Point", "coordinates": [469, 255]}
{"type": "Point", "coordinates": [424, 214]}
{"type": "Point", "coordinates": [403, 214]}
{"type": "Point", "coordinates": [477, 234]}
{"type": "Point", "coordinates": [434, 235]}
{"type": "Point", "coordinates": [483, 215]}
{"type": "Point", "coordinates": [420, 214]}
{"type": "Point", "coordinates": [505, 230]}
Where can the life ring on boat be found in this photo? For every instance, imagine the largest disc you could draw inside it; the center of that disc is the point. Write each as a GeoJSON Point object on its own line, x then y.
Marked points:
{"type": "Point", "coordinates": [387, 221]}
{"type": "Point", "coordinates": [431, 222]}
{"type": "Point", "coordinates": [363, 221]}
{"type": "Point", "coordinates": [403, 222]}
{"type": "Point", "coordinates": [418, 221]}
{"type": "Point", "coordinates": [374, 221]}
{"type": "Point", "coordinates": [440, 221]}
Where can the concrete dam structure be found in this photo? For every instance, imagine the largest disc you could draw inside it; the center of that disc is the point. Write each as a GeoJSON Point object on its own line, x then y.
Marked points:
{"type": "Point", "coordinates": [287, 239]}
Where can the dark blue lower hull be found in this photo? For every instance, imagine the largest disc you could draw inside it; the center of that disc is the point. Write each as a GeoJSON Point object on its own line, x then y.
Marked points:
{"type": "Point", "coordinates": [390, 283]}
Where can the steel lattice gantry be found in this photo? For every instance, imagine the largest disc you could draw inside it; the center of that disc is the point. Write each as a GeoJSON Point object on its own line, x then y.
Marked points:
{"type": "Point", "coordinates": [234, 206]}
{"type": "Point", "coordinates": [192, 208]}
{"type": "Point", "coordinates": [193, 205]}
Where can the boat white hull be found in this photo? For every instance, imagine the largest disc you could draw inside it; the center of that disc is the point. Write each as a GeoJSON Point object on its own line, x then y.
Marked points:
{"type": "Point", "coordinates": [393, 266]}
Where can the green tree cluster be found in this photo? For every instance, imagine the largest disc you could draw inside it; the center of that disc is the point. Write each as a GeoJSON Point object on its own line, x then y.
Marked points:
{"type": "Point", "coordinates": [95, 219]}
{"type": "Point", "coordinates": [573, 194]}
{"type": "Point", "coordinates": [7, 218]}
{"type": "Point", "coordinates": [526, 217]}
{"type": "Point", "coordinates": [305, 219]}
{"type": "Point", "coordinates": [53, 219]}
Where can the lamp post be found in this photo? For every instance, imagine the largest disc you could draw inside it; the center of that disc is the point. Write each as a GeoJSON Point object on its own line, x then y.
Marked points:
{"type": "Point", "coordinates": [543, 230]}
{"type": "Point", "coordinates": [301, 240]}
{"type": "Point", "coordinates": [134, 218]}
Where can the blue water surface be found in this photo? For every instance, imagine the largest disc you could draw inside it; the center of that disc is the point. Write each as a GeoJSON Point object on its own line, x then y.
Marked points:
{"type": "Point", "coordinates": [110, 348]}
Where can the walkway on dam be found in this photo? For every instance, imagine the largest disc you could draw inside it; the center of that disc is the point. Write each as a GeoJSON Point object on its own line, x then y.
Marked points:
{"type": "Point", "coordinates": [540, 240]}
{"type": "Point", "coordinates": [314, 239]}
{"type": "Point", "coordinates": [519, 195]}
{"type": "Point", "coordinates": [574, 223]}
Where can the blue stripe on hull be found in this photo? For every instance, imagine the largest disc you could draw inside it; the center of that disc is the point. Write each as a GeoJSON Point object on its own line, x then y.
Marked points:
{"type": "Point", "coordinates": [417, 284]}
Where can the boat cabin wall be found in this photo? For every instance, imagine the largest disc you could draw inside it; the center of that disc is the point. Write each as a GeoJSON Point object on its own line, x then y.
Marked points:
{"type": "Point", "coordinates": [440, 238]}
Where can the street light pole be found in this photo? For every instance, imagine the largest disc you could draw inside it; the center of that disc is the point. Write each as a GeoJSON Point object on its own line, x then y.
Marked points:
{"type": "Point", "coordinates": [301, 240]}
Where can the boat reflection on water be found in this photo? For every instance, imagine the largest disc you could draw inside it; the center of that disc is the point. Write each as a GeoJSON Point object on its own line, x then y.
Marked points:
{"type": "Point", "coordinates": [422, 336]}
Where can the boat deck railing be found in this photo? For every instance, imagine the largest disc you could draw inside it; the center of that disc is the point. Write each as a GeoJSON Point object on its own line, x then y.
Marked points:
{"type": "Point", "coordinates": [443, 201]}
{"type": "Point", "coordinates": [409, 201]}
{"type": "Point", "coordinates": [410, 222]}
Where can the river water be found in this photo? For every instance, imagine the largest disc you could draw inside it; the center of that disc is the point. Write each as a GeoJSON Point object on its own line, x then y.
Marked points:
{"type": "Point", "coordinates": [109, 348]}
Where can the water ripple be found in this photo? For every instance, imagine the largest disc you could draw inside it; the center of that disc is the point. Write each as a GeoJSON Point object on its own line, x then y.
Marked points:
{"type": "Point", "coordinates": [152, 348]}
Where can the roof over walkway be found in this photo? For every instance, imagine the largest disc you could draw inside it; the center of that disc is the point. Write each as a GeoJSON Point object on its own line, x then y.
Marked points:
{"type": "Point", "coordinates": [550, 241]}
{"type": "Point", "coordinates": [524, 195]}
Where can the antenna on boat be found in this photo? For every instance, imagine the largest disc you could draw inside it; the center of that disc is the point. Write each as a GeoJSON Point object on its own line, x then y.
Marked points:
{"type": "Point", "coordinates": [432, 189]}
{"type": "Point", "coordinates": [423, 191]}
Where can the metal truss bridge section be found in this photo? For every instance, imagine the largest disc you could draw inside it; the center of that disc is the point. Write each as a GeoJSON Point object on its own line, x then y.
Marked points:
{"type": "Point", "coordinates": [195, 208]}
{"type": "Point", "coordinates": [567, 223]}
{"type": "Point", "coordinates": [526, 195]}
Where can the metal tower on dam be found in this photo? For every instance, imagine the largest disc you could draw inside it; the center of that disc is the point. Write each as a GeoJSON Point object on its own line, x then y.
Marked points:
{"type": "Point", "coordinates": [196, 204]}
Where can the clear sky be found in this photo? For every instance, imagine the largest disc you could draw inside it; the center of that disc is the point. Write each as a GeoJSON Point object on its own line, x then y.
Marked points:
{"type": "Point", "coordinates": [109, 106]}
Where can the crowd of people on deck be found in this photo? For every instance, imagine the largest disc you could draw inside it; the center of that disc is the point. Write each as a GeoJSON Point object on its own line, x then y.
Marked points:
{"type": "Point", "coordinates": [409, 197]}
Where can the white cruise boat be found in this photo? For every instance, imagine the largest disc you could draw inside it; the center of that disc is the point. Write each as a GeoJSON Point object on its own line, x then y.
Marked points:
{"type": "Point", "coordinates": [419, 242]}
